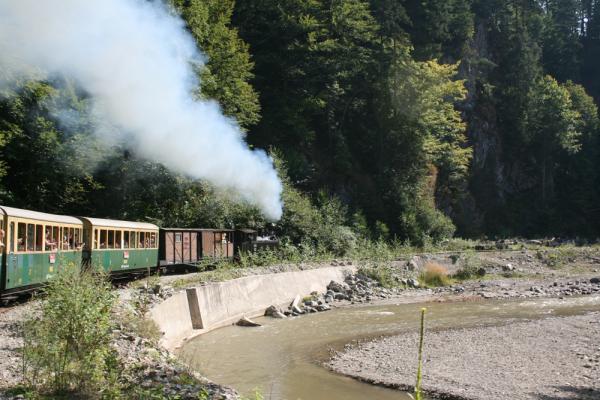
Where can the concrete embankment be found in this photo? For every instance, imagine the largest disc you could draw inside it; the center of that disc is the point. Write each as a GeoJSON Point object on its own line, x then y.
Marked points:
{"type": "Point", "coordinates": [197, 310]}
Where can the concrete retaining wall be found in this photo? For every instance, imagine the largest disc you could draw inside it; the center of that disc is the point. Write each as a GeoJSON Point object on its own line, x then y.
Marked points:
{"type": "Point", "coordinates": [198, 310]}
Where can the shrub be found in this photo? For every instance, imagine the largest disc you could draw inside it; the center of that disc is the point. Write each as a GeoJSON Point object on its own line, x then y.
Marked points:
{"type": "Point", "coordinates": [434, 275]}
{"type": "Point", "coordinates": [380, 272]}
{"type": "Point", "coordinates": [67, 346]}
{"type": "Point", "coordinates": [470, 267]}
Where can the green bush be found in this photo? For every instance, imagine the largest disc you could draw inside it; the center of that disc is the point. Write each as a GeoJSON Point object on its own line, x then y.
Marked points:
{"type": "Point", "coordinates": [67, 346]}
{"type": "Point", "coordinates": [380, 272]}
{"type": "Point", "coordinates": [470, 267]}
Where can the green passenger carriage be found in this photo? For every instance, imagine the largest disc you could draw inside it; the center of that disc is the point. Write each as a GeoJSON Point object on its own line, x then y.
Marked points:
{"type": "Point", "coordinates": [34, 245]}
{"type": "Point", "coordinates": [120, 246]}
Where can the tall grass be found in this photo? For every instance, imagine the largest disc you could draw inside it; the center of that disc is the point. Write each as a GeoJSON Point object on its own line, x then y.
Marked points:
{"type": "Point", "coordinates": [434, 275]}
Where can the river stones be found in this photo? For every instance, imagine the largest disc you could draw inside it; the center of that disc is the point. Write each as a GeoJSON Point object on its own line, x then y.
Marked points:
{"type": "Point", "coordinates": [274, 312]}
{"type": "Point", "coordinates": [244, 321]}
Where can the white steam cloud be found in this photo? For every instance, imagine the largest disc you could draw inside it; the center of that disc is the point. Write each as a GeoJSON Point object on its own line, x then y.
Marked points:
{"type": "Point", "coordinates": [134, 58]}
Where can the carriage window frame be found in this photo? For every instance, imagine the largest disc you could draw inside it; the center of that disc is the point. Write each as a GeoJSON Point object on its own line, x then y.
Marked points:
{"type": "Point", "coordinates": [39, 237]}
{"type": "Point", "coordinates": [110, 240]}
{"type": "Point", "coordinates": [126, 242]}
{"type": "Point", "coordinates": [103, 242]}
{"type": "Point", "coordinates": [118, 239]}
{"type": "Point", "coordinates": [178, 237]}
{"type": "Point", "coordinates": [133, 240]}
{"type": "Point", "coordinates": [30, 247]}
{"type": "Point", "coordinates": [12, 236]}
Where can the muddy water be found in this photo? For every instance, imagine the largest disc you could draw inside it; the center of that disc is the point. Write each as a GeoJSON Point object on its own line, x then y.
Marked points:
{"type": "Point", "coordinates": [283, 358]}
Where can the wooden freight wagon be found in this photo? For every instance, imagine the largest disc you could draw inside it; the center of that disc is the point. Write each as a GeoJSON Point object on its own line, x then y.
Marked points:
{"type": "Point", "coordinates": [180, 246]}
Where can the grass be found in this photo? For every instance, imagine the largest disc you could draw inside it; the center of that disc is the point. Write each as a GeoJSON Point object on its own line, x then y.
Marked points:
{"type": "Point", "coordinates": [380, 272]}
{"type": "Point", "coordinates": [434, 275]}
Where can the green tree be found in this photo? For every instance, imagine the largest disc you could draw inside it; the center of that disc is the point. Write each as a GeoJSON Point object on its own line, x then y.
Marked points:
{"type": "Point", "coordinates": [551, 124]}
{"type": "Point", "coordinates": [561, 43]}
{"type": "Point", "coordinates": [225, 76]}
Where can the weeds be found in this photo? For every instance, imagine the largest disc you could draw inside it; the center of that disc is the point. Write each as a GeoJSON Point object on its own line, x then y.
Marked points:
{"type": "Point", "coordinates": [381, 272]}
{"type": "Point", "coordinates": [471, 267]}
{"type": "Point", "coordinates": [67, 348]}
{"type": "Point", "coordinates": [434, 275]}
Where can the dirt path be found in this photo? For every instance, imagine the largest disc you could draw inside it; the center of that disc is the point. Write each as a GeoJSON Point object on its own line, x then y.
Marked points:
{"type": "Point", "coordinates": [550, 359]}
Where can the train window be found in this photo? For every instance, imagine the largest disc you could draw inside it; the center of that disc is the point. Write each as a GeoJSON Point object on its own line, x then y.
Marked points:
{"type": "Point", "coordinates": [118, 240]}
{"type": "Point", "coordinates": [96, 238]}
{"type": "Point", "coordinates": [103, 234]}
{"type": "Point", "coordinates": [142, 240]}
{"type": "Point", "coordinates": [178, 237]}
{"type": "Point", "coordinates": [30, 237]}
{"type": "Point", "coordinates": [111, 239]}
{"type": "Point", "coordinates": [2, 235]}
{"type": "Point", "coordinates": [39, 237]}
{"type": "Point", "coordinates": [133, 240]}
{"type": "Point", "coordinates": [126, 239]}
{"type": "Point", "coordinates": [21, 236]}
{"type": "Point", "coordinates": [11, 237]}
{"type": "Point", "coordinates": [55, 237]}
{"type": "Point", "coordinates": [77, 239]}
{"type": "Point", "coordinates": [71, 238]}
{"type": "Point", "coordinates": [153, 240]}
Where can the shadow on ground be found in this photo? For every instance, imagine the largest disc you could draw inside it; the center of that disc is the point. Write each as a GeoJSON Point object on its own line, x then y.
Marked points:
{"type": "Point", "coordinates": [573, 393]}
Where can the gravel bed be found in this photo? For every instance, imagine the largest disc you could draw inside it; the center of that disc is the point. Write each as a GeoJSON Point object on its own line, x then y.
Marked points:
{"type": "Point", "coordinates": [550, 359]}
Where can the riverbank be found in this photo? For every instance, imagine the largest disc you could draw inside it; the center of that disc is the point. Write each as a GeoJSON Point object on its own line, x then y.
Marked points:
{"type": "Point", "coordinates": [146, 371]}
{"type": "Point", "coordinates": [554, 358]}
{"type": "Point", "coordinates": [525, 273]}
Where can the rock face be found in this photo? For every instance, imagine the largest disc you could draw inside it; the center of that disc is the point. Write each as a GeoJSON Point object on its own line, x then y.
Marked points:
{"type": "Point", "coordinates": [244, 321]}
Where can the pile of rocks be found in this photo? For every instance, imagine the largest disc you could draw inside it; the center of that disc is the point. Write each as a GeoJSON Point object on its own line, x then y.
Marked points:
{"type": "Point", "coordinates": [146, 367]}
{"type": "Point", "coordinates": [355, 289]}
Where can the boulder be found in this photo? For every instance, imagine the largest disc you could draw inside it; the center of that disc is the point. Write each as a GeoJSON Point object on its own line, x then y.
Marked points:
{"type": "Point", "coordinates": [508, 267]}
{"type": "Point", "coordinates": [244, 321]}
{"type": "Point", "coordinates": [595, 280]}
{"type": "Point", "coordinates": [412, 282]}
{"type": "Point", "coordinates": [336, 287]}
{"type": "Point", "coordinates": [413, 264]}
{"type": "Point", "coordinates": [274, 312]}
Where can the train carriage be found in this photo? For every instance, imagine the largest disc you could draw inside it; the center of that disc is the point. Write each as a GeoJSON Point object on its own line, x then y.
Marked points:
{"type": "Point", "coordinates": [34, 245]}
{"type": "Point", "coordinates": [120, 246]}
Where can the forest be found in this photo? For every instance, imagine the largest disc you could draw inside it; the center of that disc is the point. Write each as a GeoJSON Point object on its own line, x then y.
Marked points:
{"type": "Point", "coordinates": [407, 120]}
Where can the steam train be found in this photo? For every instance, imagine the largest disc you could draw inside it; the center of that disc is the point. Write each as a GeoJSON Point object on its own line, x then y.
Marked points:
{"type": "Point", "coordinates": [34, 244]}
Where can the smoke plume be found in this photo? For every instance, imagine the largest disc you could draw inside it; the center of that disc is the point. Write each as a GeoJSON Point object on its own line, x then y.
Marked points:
{"type": "Point", "coordinates": [135, 58]}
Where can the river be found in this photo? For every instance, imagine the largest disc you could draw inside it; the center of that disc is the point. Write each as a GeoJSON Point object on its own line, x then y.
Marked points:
{"type": "Point", "coordinates": [283, 358]}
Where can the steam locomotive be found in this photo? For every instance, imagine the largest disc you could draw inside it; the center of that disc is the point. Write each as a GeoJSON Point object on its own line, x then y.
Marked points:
{"type": "Point", "coordinates": [34, 244]}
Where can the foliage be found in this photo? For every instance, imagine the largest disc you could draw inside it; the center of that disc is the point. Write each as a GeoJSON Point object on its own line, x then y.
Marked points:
{"type": "Point", "coordinates": [402, 122]}
{"type": "Point", "coordinates": [226, 74]}
{"type": "Point", "coordinates": [470, 266]}
{"type": "Point", "coordinates": [67, 346]}
{"type": "Point", "coordinates": [383, 273]}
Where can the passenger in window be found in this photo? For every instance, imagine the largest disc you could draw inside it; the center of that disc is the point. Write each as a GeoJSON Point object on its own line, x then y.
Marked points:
{"type": "Point", "coordinates": [20, 244]}
{"type": "Point", "coordinates": [1, 238]}
{"type": "Point", "coordinates": [50, 244]}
